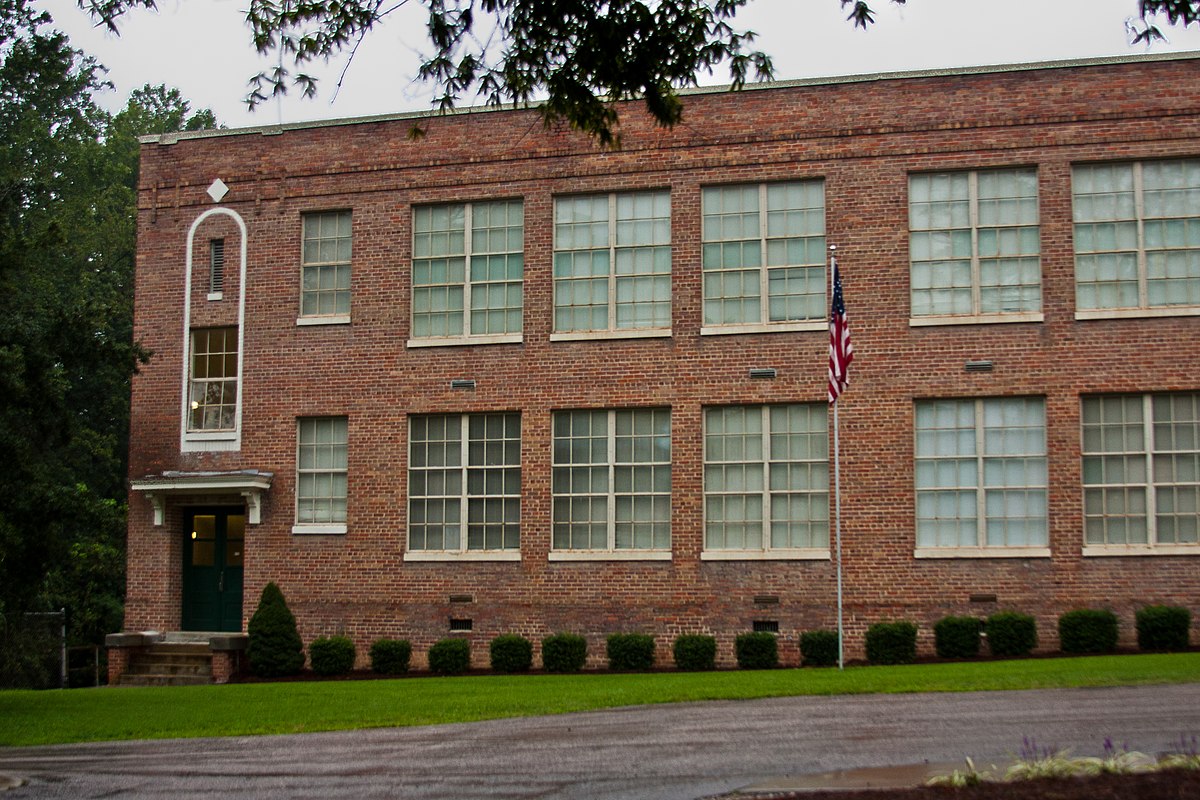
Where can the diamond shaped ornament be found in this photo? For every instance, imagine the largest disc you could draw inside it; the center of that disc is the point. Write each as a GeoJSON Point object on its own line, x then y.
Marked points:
{"type": "Point", "coordinates": [218, 190]}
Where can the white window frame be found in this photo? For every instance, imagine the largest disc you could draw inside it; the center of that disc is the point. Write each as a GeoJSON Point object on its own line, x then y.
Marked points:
{"type": "Point", "coordinates": [1143, 308]}
{"type": "Point", "coordinates": [767, 552]}
{"type": "Point", "coordinates": [981, 549]}
{"type": "Point", "coordinates": [194, 383]}
{"type": "Point", "coordinates": [463, 552]}
{"type": "Point", "coordinates": [611, 552]}
{"type": "Point", "coordinates": [1148, 452]}
{"type": "Point", "coordinates": [330, 526]}
{"type": "Point", "coordinates": [976, 315]}
{"type": "Point", "coordinates": [612, 331]}
{"type": "Point", "coordinates": [337, 318]}
{"type": "Point", "coordinates": [764, 324]}
{"type": "Point", "coordinates": [467, 336]}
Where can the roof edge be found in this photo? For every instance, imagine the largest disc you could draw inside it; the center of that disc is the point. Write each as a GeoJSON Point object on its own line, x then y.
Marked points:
{"type": "Point", "coordinates": [986, 69]}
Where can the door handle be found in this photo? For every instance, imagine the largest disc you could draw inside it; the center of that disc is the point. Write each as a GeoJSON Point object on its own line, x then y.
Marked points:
{"type": "Point", "coordinates": [221, 581]}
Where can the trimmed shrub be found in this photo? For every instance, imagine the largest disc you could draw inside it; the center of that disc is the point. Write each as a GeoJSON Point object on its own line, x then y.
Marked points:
{"type": "Point", "coordinates": [957, 637]}
{"type": "Point", "coordinates": [391, 656]}
{"type": "Point", "coordinates": [819, 648]}
{"type": "Point", "coordinates": [1088, 630]}
{"type": "Point", "coordinates": [630, 652]}
{"type": "Point", "coordinates": [892, 643]}
{"type": "Point", "coordinates": [1010, 633]}
{"type": "Point", "coordinates": [1163, 628]}
{"type": "Point", "coordinates": [695, 651]}
{"type": "Point", "coordinates": [450, 657]}
{"type": "Point", "coordinates": [511, 653]}
{"type": "Point", "coordinates": [757, 650]}
{"type": "Point", "coordinates": [274, 648]}
{"type": "Point", "coordinates": [564, 652]}
{"type": "Point", "coordinates": [333, 655]}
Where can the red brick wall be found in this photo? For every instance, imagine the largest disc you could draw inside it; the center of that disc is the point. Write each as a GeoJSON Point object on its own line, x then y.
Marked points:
{"type": "Point", "coordinates": [863, 139]}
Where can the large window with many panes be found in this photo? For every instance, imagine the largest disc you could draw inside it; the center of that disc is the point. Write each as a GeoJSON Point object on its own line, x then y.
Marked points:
{"type": "Point", "coordinates": [612, 263]}
{"type": "Point", "coordinates": [612, 480]}
{"type": "Point", "coordinates": [766, 480]}
{"type": "Point", "coordinates": [325, 266]}
{"type": "Point", "coordinates": [213, 394]}
{"type": "Point", "coordinates": [468, 267]}
{"type": "Point", "coordinates": [321, 469]}
{"type": "Point", "coordinates": [974, 245]}
{"type": "Point", "coordinates": [464, 483]}
{"type": "Point", "coordinates": [1141, 471]}
{"type": "Point", "coordinates": [981, 474]}
{"type": "Point", "coordinates": [764, 253]}
{"type": "Point", "coordinates": [1137, 236]}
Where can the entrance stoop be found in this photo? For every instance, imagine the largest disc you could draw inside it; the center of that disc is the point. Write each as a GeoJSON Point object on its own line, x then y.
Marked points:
{"type": "Point", "coordinates": [179, 658]}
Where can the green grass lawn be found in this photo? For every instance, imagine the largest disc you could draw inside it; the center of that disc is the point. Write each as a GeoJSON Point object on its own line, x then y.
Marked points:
{"type": "Point", "coordinates": [78, 715]}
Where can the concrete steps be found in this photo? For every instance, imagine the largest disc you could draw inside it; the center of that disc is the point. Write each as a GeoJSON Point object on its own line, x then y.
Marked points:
{"type": "Point", "coordinates": [170, 664]}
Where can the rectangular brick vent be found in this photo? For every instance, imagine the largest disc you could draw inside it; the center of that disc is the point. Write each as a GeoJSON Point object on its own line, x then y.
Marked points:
{"type": "Point", "coordinates": [766, 626]}
{"type": "Point", "coordinates": [460, 624]}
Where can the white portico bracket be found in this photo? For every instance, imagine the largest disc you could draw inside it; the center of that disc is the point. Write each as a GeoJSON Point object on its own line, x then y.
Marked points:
{"type": "Point", "coordinates": [248, 484]}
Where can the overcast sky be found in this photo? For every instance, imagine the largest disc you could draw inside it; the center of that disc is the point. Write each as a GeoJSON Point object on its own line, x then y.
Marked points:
{"type": "Point", "coordinates": [203, 48]}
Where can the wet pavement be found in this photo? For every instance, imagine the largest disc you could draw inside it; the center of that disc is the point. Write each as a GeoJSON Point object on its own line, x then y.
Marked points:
{"type": "Point", "coordinates": [675, 752]}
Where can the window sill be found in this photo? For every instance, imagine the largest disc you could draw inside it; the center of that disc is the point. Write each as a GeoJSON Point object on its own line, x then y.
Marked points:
{"type": "Point", "coordinates": [639, 333]}
{"type": "Point", "coordinates": [798, 554]}
{"type": "Point", "coordinates": [216, 296]}
{"type": "Point", "coordinates": [1138, 313]}
{"type": "Point", "coordinates": [468, 555]}
{"type": "Point", "coordinates": [976, 319]}
{"type": "Point", "coordinates": [982, 552]}
{"type": "Point", "coordinates": [313, 529]}
{"type": "Point", "coordinates": [609, 555]}
{"type": "Point", "coordinates": [332, 319]}
{"type": "Point", "coordinates": [462, 341]}
{"type": "Point", "coordinates": [1140, 550]}
{"type": "Point", "coordinates": [771, 327]}
{"type": "Point", "coordinates": [196, 442]}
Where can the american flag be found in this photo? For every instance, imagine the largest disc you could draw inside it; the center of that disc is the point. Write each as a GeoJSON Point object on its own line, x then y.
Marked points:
{"type": "Point", "coordinates": [841, 351]}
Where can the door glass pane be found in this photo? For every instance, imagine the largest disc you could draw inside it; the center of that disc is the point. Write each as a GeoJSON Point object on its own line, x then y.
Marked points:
{"type": "Point", "coordinates": [235, 540]}
{"type": "Point", "coordinates": [203, 540]}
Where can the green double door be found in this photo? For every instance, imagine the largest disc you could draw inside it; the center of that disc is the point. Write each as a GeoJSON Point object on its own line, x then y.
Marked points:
{"type": "Point", "coordinates": [213, 553]}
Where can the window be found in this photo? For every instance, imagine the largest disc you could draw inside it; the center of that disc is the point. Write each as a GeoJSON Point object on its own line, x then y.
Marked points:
{"type": "Point", "coordinates": [612, 480]}
{"type": "Point", "coordinates": [1141, 471]}
{"type": "Point", "coordinates": [216, 267]}
{"type": "Point", "coordinates": [766, 480]}
{"type": "Point", "coordinates": [321, 475]}
{"type": "Point", "coordinates": [981, 474]}
{"type": "Point", "coordinates": [1137, 235]}
{"type": "Point", "coordinates": [325, 290]}
{"type": "Point", "coordinates": [973, 241]}
{"type": "Point", "coordinates": [468, 263]}
{"type": "Point", "coordinates": [214, 380]}
{"type": "Point", "coordinates": [464, 483]}
{"type": "Point", "coordinates": [764, 253]}
{"type": "Point", "coordinates": [612, 262]}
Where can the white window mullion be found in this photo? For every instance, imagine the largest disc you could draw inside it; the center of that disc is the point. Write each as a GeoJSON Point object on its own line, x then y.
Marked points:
{"type": "Point", "coordinates": [464, 453]}
{"type": "Point", "coordinates": [1139, 211]}
{"type": "Point", "coordinates": [612, 263]}
{"type": "Point", "coordinates": [764, 282]}
{"type": "Point", "coordinates": [611, 500]}
{"type": "Point", "coordinates": [467, 242]}
{"type": "Point", "coordinates": [1148, 449]}
{"type": "Point", "coordinates": [766, 477]}
{"type": "Point", "coordinates": [980, 490]}
{"type": "Point", "coordinates": [973, 219]}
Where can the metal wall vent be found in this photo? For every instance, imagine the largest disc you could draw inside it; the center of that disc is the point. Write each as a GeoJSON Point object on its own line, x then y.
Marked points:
{"type": "Point", "coordinates": [766, 599]}
{"type": "Point", "coordinates": [979, 366]}
{"type": "Point", "coordinates": [216, 265]}
{"type": "Point", "coordinates": [766, 373]}
{"type": "Point", "coordinates": [462, 598]}
{"type": "Point", "coordinates": [462, 383]}
{"type": "Point", "coordinates": [766, 626]}
{"type": "Point", "coordinates": [461, 624]}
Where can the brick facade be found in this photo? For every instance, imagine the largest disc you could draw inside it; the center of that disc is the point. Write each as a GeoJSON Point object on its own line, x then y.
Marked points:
{"type": "Point", "coordinates": [863, 138]}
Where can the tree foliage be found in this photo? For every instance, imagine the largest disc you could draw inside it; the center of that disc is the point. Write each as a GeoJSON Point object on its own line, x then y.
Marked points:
{"type": "Point", "coordinates": [579, 56]}
{"type": "Point", "coordinates": [68, 175]}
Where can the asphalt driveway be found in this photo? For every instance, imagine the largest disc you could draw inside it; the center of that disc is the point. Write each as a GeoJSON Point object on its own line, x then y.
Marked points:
{"type": "Point", "coordinates": [682, 751]}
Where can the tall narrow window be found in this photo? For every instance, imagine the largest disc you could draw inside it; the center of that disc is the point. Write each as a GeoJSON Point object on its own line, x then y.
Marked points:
{"type": "Point", "coordinates": [214, 380]}
{"type": "Point", "coordinates": [974, 243]}
{"type": "Point", "coordinates": [321, 469]}
{"type": "Point", "coordinates": [216, 266]}
{"type": "Point", "coordinates": [612, 480]}
{"type": "Point", "coordinates": [468, 266]}
{"type": "Point", "coordinates": [325, 270]}
{"type": "Point", "coordinates": [1137, 235]}
{"type": "Point", "coordinates": [612, 262]}
{"type": "Point", "coordinates": [764, 253]}
{"type": "Point", "coordinates": [766, 479]}
{"type": "Point", "coordinates": [1141, 471]}
{"type": "Point", "coordinates": [464, 483]}
{"type": "Point", "coordinates": [981, 473]}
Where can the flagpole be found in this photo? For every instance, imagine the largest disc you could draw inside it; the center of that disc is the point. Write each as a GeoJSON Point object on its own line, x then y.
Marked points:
{"type": "Point", "coordinates": [837, 491]}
